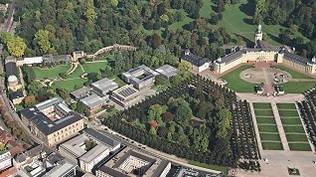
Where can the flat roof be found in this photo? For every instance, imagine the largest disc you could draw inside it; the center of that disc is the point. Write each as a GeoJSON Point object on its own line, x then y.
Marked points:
{"type": "Point", "coordinates": [93, 100]}
{"type": "Point", "coordinates": [80, 92]}
{"type": "Point", "coordinates": [167, 70]}
{"type": "Point", "coordinates": [14, 95]}
{"type": "Point", "coordinates": [126, 91]}
{"type": "Point", "coordinates": [134, 73]}
{"type": "Point", "coordinates": [111, 171]}
{"type": "Point", "coordinates": [61, 169]}
{"type": "Point", "coordinates": [48, 103]}
{"type": "Point", "coordinates": [105, 85]}
{"type": "Point", "coordinates": [11, 69]}
{"type": "Point", "coordinates": [32, 60]}
{"type": "Point", "coordinates": [94, 152]}
{"type": "Point", "coordinates": [101, 137]}
{"type": "Point", "coordinates": [75, 145]}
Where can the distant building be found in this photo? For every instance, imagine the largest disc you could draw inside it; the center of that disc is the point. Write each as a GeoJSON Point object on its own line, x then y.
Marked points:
{"type": "Point", "coordinates": [93, 102]}
{"type": "Point", "coordinates": [132, 163]}
{"type": "Point", "coordinates": [5, 137]}
{"type": "Point", "coordinates": [75, 149]}
{"type": "Point", "coordinates": [77, 55]}
{"type": "Point", "coordinates": [80, 93]}
{"type": "Point", "coordinates": [33, 60]}
{"type": "Point", "coordinates": [11, 172]}
{"type": "Point", "coordinates": [167, 71]}
{"type": "Point", "coordinates": [12, 74]}
{"type": "Point", "coordinates": [62, 169]}
{"type": "Point", "coordinates": [52, 121]}
{"type": "Point", "coordinates": [261, 53]}
{"type": "Point", "coordinates": [104, 86]}
{"type": "Point", "coordinates": [140, 77]}
{"type": "Point", "coordinates": [199, 64]}
{"type": "Point", "coordinates": [5, 160]}
{"type": "Point", "coordinates": [16, 97]}
{"type": "Point", "coordinates": [125, 96]}
{"type": "Point", "coordinates": [4, 7]}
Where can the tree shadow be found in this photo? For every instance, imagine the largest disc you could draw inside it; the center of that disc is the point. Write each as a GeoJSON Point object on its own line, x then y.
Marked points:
{"type": "Point", "coordinates": [214, 8]}
{"type": "Point", "coordinates": [275, 38]}
{"type": "Point", "coordinates": [248, 21]}
{"type": "Point", "coordinates": [248, 8]}
{"type": "Point", "coordinates": [249, 43]}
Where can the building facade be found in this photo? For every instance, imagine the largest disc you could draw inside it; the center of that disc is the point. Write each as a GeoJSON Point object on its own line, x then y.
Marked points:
{"type": "Point", "coordinates": [5, 160]}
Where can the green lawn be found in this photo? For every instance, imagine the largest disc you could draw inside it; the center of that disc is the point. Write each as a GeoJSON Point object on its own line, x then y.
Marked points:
{"type": "Point", "coordinates": [262, 105]}
{"type": "Point", "coordinates": [235, 83]}
{"type": "Point", "coordinates": [267, 128]}
{"type": "Point", "coordinates": [293, 129]}
{"type": "Point", "coordinates": [94, 67]}
{"type": "Point", "coordinates": [269, 137]}
{"type": "Point", "coordinates": [272, 146]}
{"type": "Point", "coordinates": [119, 81]}
{"type": "Point", "coordinates": [288, 113]}
{"type": "Point", "coordinates": [263, 120]}
{"type": "Point", "coordinates": [286, 106]}
{"type": "Point", "coordinates": [263, 112]}
{"type": "Point", "coordinates": [299, 147]}
{"type": "Point", "coordinates": [206, 9]}
{"type": "Point", "coordinates": [223, 169]}
{"type": "Point", "coordinates": [298, 87]}
{"type": "Point", "coordinates": [291, 121]}
{"type": "Point", "coordinates": [76, 74]}
{"type": "Point", "coordinates": [296, 137]}
{"type": "Point", "coordinates": [70, 84]}
{"type": "Point", "coordinates": [295, 74]}
{"type": "Point", "coordinates": [42, 73]}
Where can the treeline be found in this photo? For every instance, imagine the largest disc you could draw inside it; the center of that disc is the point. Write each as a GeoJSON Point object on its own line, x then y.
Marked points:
{"type": "Point", "coordinates": [60, 27]}
{"type": "Point", "coordinates": [296, 15]}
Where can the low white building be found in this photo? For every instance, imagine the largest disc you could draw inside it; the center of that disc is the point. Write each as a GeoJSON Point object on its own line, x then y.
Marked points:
{"type": "Point", "coordinates": [5, 160]}
{"type": "Point", "coordinates": [33, 60]}
{"type": "Point", "coordinates": [93, 157]}
{"type": "Point", "coordinates": [199, 64]}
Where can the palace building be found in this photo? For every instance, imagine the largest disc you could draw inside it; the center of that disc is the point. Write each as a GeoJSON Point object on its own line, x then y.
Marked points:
{"type": "Point", "coordinates": [285, 55]}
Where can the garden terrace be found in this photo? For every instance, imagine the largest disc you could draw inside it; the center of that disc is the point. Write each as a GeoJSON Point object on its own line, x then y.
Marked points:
{"type": "Point", "coordinates": [156, 123]}
{"type": "Point", "coordinates": [292, 125]}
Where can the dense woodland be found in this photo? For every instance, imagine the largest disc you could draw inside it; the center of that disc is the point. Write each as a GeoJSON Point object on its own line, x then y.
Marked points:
{"type": "Point", "coordinates": [194, 119]}
{"type": "Point", "coordinates": [60, 27]}
{"type": "Point", "coordinates": [296, 15]}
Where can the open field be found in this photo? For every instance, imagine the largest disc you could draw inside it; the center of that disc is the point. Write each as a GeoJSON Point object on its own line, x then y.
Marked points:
{"type": "Point", "coordinates": [267, 128]}
{"type": "Point", "coordinates": [293, 129]}
{"type": "Point", "coordinates": [296, 137]}
{"type": "Point", "coordinates": [42, 73]}
{"type": "Point", "coordinates": [263, 120]}
{"type": "Point", "coordinates": [288, 113]}
{"type": "Point", "coordinates": [272, 145]}
{"type": "Point", "coordinates": [299, 146]}
{"type": "Point", "coordinates": [94, 67]}
{"type": "Point", "coordinates": [291, 121]}
{"type": "Point", "coordinates": [269, 137]}
{"type": "Point", "coordinates": [286, 106]}
{"type": "Point", "coordinates": [298, 87]}
{"type": "Point", "coordinates": [263, 112]}
{"type": "Point", "coordinates": [262, 105]}
{"type": "Point", "coordinates": [70, 84]}
{"type": "Point", "coordinates": [235, 83]}
{"type": "Point", "coordinates": [209, 166]}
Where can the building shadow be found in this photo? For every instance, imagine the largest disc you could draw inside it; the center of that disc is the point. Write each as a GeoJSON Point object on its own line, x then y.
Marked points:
{"type": "Point", "coordinates": [275, 38]}
{"type": "Point", "coordinates": [248, 43]}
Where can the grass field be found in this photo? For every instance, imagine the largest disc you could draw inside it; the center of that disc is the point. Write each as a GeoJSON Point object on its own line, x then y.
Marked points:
{"type": "Point", "coordinates": [298, 87]}
{"type": "Point", "coordinates": [70, 84]}
{"type": "Point", "coordinates": [263, 112]}
{"type": "Point", "coordinates": [269, 137]}
{"type": "Point", "coordinates": [213, 167]}
{"type": "Point", "coordinates": [235, 83]}
{"type": "Point", "coordinates": [295, 74]}
{"type": "Point", "coordinates": [291, 121]}
{"type": "Point", "coordinates": [286, 106]}
{"type": "Point", "coordinates": [94, 67]}
{"type": "Point", "coordinates": [263, 120]}
{"type": "Point", "coordinates": [296, 137]}
{"type": "Point", "coordinates": [293, 129]}
{"type": "Point", "coordinates": [262, 105]}
{"type": "Point", "coordinates": [288, 113]}
{"type": "Point", "coordinates": [272, 145]}
{"type": "Point", "coordinates": [42, 73]}
{"type": "Point", "coordinates": [268, 128]}
{"type": "Point", "coordinates": [299, 147]}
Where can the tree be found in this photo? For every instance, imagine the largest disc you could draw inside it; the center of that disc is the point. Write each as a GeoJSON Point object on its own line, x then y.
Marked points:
{"type": "Point", "coordinates": [152, 131]}
{"type": "Point", "coordinates": [16, 46]}
{"type": "Point", "coordinates": [5, 37]}
{"type": "Point", "coordinates": [63, 93]}
{"type": "Point", "coordinates": [114, 3]}
{"type": "Point", "coordinates": [42, 39]}
{"type": "Point", "coordinates": [82, 109]}
{"type": "Point", "coordinates": [223, 118]}
{"type": "Point", "coordinates": [161, 80]}
{"type": "Point", "coordinates": [90, 144]}
{"type": "Point", "coordinates": [167, 116]}
{"type": "Point", "coordinates": [154, 113]}
{"type": "Point", "coordinates": [162, 131]}
{"type": "Point", "coordinates": [29, 101]}
{"type": "Point", "coordinates": [184, 66]}
{"type": "Point", "coordinates": [183, 112]}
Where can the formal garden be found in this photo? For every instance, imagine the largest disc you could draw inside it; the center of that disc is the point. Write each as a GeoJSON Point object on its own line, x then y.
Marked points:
{"type": "Point", "coordinates": [292, 125]}
{"type": "Point", "coordinates": [195, 119]}
{"type": "Point", "coordinates": [269, 135]}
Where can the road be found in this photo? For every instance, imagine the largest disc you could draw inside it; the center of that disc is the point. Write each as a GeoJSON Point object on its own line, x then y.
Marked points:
{"type": "Point", "coordinates": [10, 16]}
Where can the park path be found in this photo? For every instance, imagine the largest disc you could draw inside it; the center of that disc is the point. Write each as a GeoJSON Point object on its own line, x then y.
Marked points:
{"type": "Point", "coordinates": [279, 124]}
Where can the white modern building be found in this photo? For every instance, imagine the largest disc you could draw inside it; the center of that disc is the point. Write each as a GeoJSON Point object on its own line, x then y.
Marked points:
{"type": "Point", "coordinates": [5, 160]}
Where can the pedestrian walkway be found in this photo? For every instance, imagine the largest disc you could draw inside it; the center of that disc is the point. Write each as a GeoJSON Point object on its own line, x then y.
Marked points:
{"type": "Point", "coordinates": [280, 127]}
